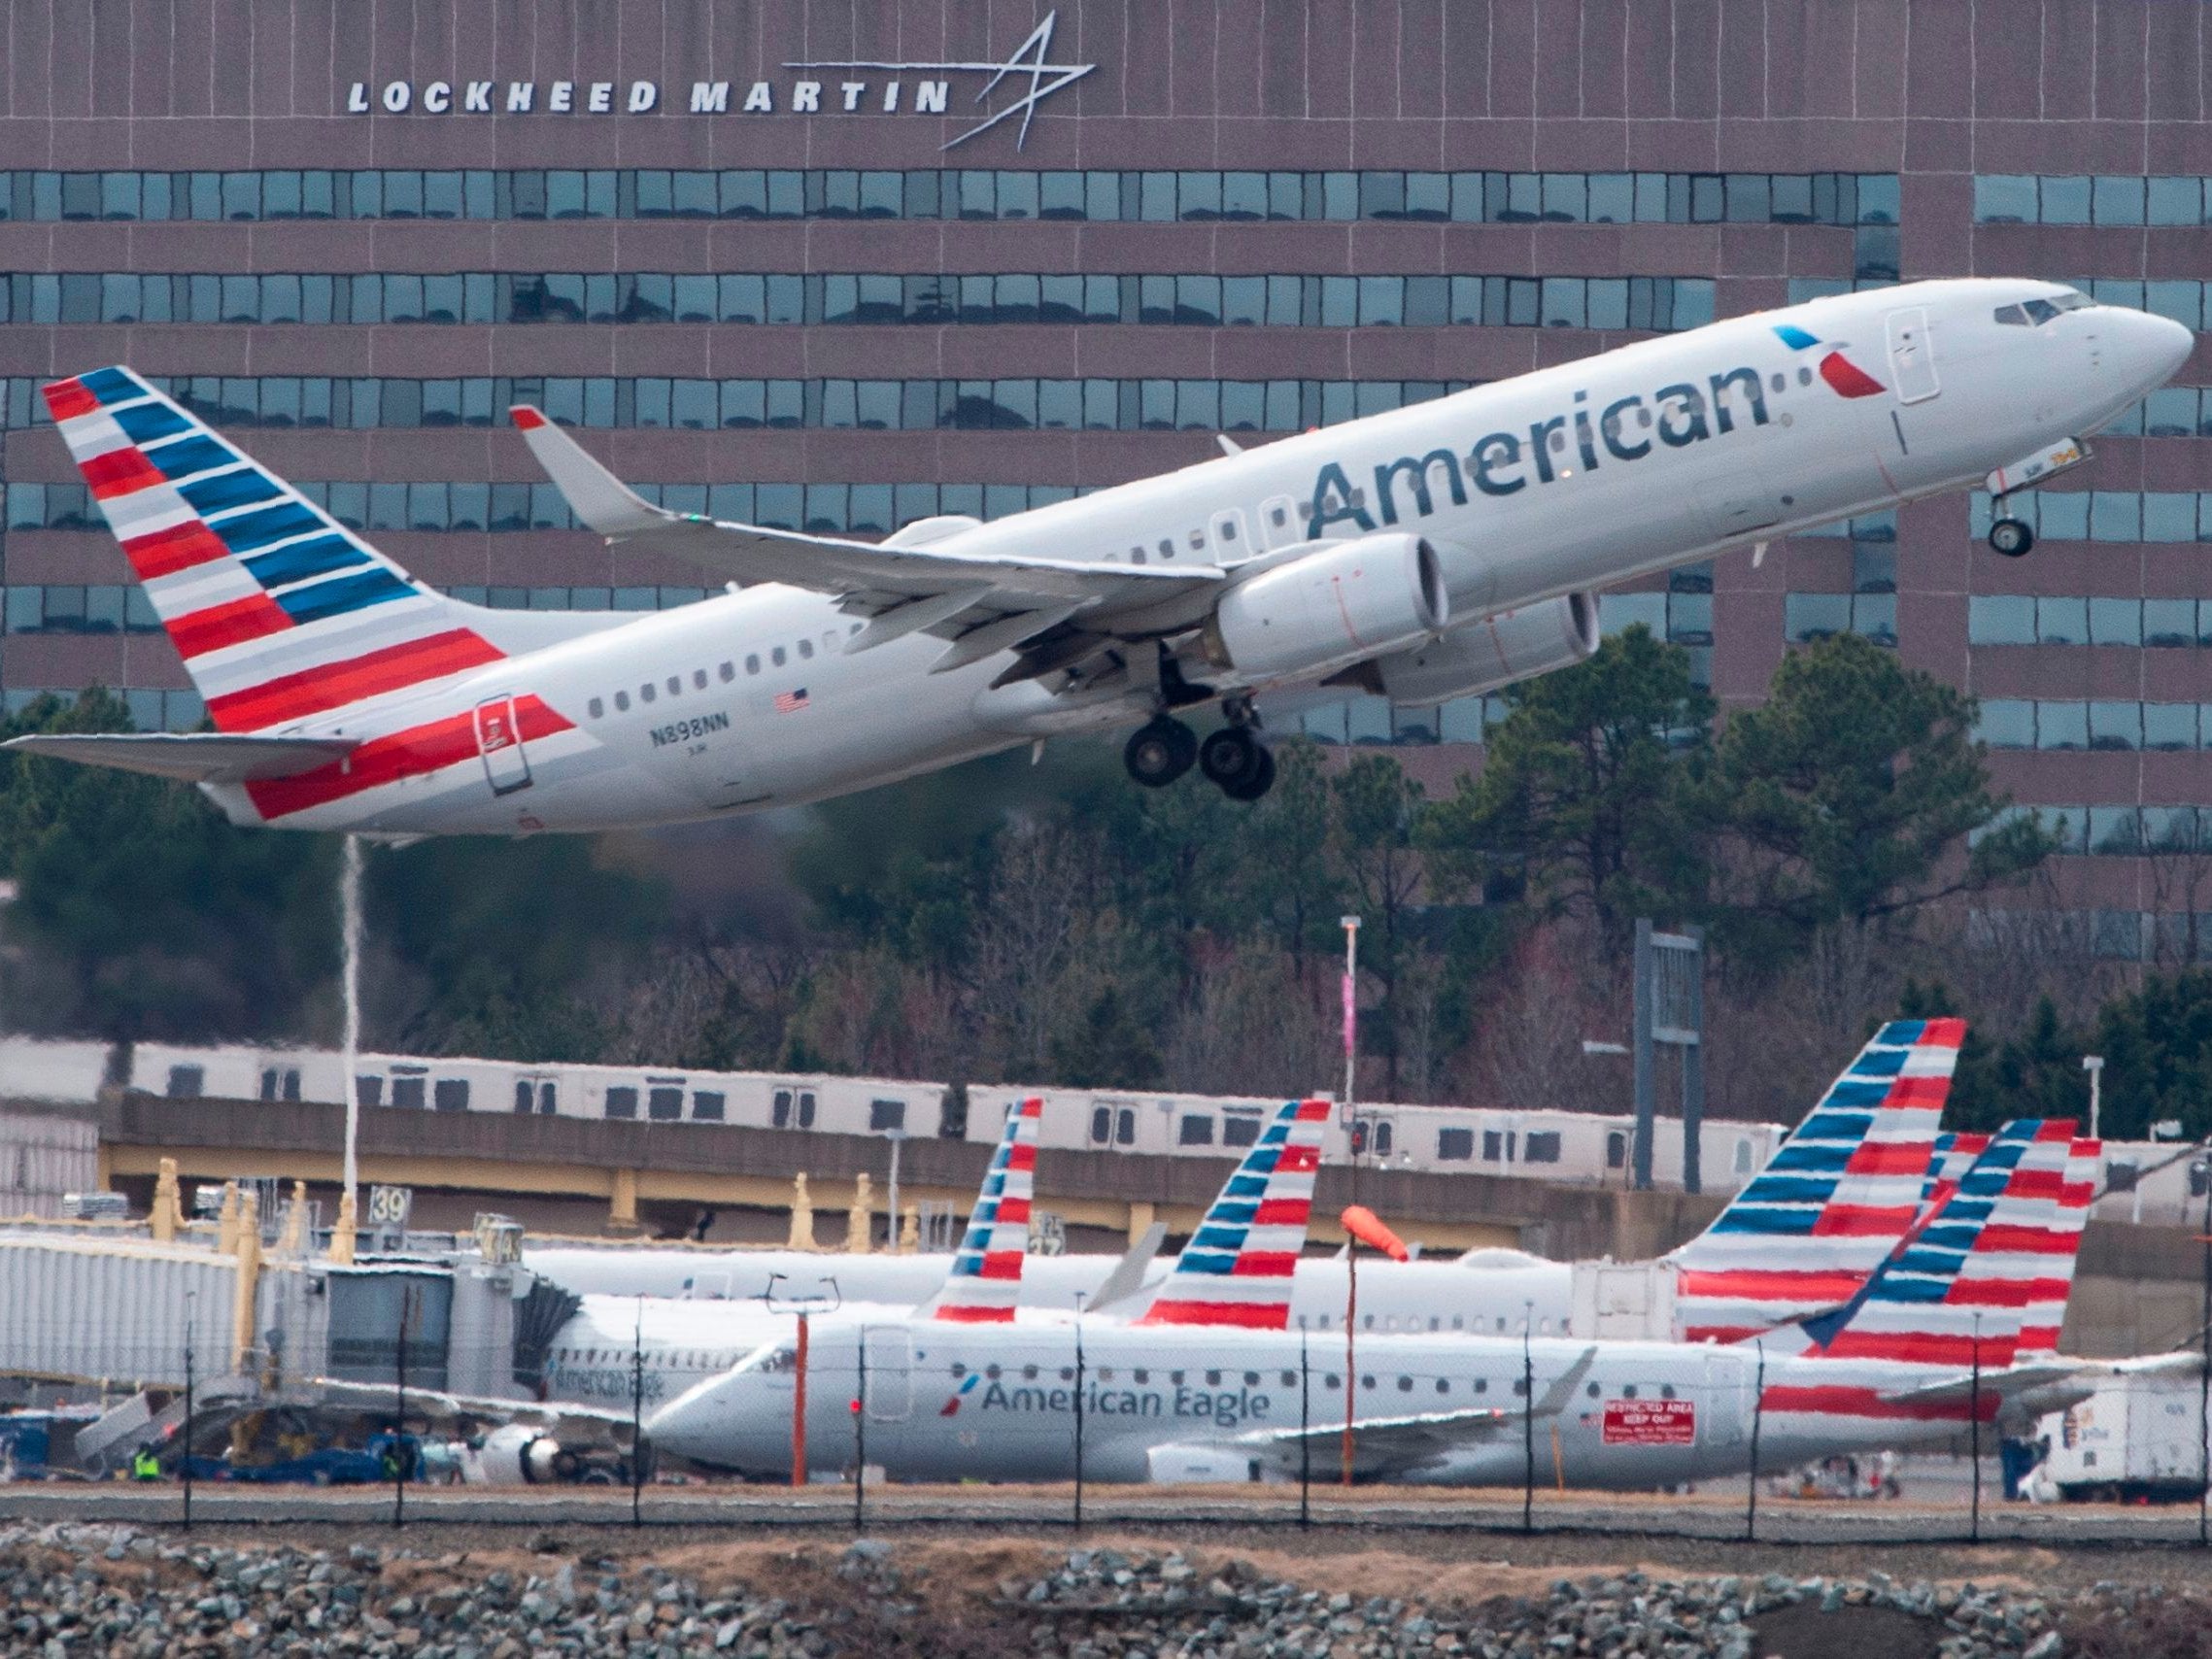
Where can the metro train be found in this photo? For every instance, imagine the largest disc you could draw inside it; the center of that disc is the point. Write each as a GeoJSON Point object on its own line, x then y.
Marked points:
{"type": "Point", "coordinates": [1589, 1148]}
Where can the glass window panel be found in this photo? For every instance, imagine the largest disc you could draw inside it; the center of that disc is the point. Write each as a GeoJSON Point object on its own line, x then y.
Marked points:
{"type": "Point", "coordinates": [2116, 725]}
{"type": "Point", "coordinates": [2169, 622]}
{"type": "Point", "coordinates": [2169, 725]}
{"type": "Point", "coordinates": [1875, 616]}
{"type": "Point", "coordinates": [2117, 200]}
{"type": "Point", "coordinates": [2116, 621]}
{"type": "Point", "coordinates": [2115, 831]}
{"type": "Point", "coordinates": [2062, 620]}
{"type": "Point", "coordinates": [2115, 515]}
{"type": "Point", "coordinates": [2169, 828]}
{"type": "Point", "coordinates": [2061, 515]}
{"type": "Point", "coordinates": [2000, 619]}
{"type": "Point", "coordinates": [2065, 201]}
{"type": "Point", "coordinates": [2170, 412]}
{"type": "Point", "coordinates": [2061, 726]}
{"type": "Point", "coordinates": [2184, 302]}
{"type": "Point", "coordinates": [2007, 724]}
{"type": "Point", "coordinates": [2176, 201]}
{"type": "Point", "coordinates": [1618, 611]}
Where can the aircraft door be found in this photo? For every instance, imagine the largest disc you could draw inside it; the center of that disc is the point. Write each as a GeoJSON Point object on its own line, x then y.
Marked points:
{"type": "Point", "coordinates": [1911, 356]}
{"type": "Point", "coordinates": [499, 740]}
{"type": "Point", "coordinates": [1232, 542]}
{"type": "Point", "coordinates": [890, 1358]}
{"type": "Point", "coordinates": [1728, 1400]}
{"type": "Point", "coordinates": [1279, 522]}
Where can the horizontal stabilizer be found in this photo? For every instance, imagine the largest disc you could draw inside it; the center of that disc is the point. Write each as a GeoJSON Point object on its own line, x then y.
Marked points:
{"type": "Point", "coordinates": [191, 757]}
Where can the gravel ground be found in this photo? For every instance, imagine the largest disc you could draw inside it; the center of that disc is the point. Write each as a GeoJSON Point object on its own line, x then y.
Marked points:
{"type": "Point", "coordinates": [80, 1589]}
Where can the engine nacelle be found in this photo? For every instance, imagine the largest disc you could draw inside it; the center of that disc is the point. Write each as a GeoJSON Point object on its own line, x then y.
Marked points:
{"type": "Point", "coordinates": [1480, 657]}
{"type": "Point", "coordinates": [1347, 601]}
{"type": "Point", "coordinates": [515, 1455]}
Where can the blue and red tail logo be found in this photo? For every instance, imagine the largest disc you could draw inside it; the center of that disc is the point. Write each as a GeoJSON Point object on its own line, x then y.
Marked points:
{"type": "Point", "coordinates": [1843, 377]}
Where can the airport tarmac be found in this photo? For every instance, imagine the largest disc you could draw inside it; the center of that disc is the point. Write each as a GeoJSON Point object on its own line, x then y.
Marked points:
{"type": "Point", "coordinates": [1703, 1519]}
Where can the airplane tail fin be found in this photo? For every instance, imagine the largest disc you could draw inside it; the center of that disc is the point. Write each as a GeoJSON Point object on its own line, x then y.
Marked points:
{"type": "Point", "coordinates": [985, 1283]}
{"type": "Point", "coordinates": [1237, 1267]}
{"type": "Point", "coordinates": [1833, 1201]}
{"type": "Point", "coordinates": [279, 611]}
{"type": "Point", "coordinates": [2055, 1251]}
{"type": "Point", "coordinates": [1960, 1290]}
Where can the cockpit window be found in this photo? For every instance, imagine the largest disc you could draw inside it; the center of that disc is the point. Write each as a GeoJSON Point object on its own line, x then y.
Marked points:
{"type": "Point", "coordinates": [2071, 299]}
{"type": "Point", "coordinates": [2034, 313]}
{"type": "Point", "coordinates": [2039, 311]}
{"type": "Point", "coordinates": [2012, 316]}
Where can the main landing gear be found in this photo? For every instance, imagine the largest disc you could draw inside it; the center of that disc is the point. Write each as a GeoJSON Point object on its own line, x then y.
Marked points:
{"type": "Point", "coordinates": [1233, 759]}
{"type": "Point", "coordinates": [2012, 537]}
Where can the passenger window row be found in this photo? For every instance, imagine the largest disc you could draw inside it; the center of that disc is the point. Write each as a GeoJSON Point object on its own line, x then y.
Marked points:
{"type": "Point", "coordinates": [1201, 195]}
{"type": "Point", "coordinates": [724, 672]}
{"type": "Point", "coordinates": [1286, 300]}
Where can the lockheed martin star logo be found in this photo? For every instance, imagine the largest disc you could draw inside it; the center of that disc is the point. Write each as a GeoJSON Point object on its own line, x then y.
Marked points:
{"type": "Point", "coordinates": [1031, 61]}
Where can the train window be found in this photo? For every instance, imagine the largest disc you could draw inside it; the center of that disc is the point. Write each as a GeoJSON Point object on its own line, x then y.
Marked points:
{"type": "Point", "coordinates": [1743, 1157]}
{"type": "Point", "coordinates": [368, 1090]}
{"type": "Point", "coordinates": [526, 1097]}
{"type": "Point", "coordinates": [597, 707]}
{"type": "Point", "coordinates": [664, 1104]}
{"type": "Point", "coordinates": [621, 1101]}
{"type": "Point", "coordinates": [805, 1108]}
{"type": "Point", "coordinates": [779, 1108]}
{"type": "Point", "coordinates": [1102, 1125]}
{"type": "Point", "coordinates": [1616, 1149]}
{"type": "Point", "coordinates": [1542, 1146]}
{"type": "Point", "coordinates": [450, 1093]}
{"type": "Point", "coordinates": [407, 1093]}
{"type": "Point", "coordinates": [186, 1082]}
{"type": "Point", "coordinates": [1125, 1126]}
{"type": "Point", "coordinates": [1382, 1137]}
{"type": "Point", "coordinates": [548, 1100]}
{"type": "Point", "coordinates": [1493, 1145]}
{"type": "Point", "coordinates": [1239, 1129]}
{"type": "Point", "coordinates": [268, 1083]}
{"type": "Point", "coordinates": [291, 1083]}
{"type": "Point", "coordinates": [707, 1105]}
{"type": "Point", "coordinates": [1197, 1129]}
{"type": "Point", "coordinates": [886, 1115]}
{"type": "Point", "coordinates": [1454, 1145]}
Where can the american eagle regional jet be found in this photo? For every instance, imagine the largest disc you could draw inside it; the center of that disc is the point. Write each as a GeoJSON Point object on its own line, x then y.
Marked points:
{"type": "Point", "coordinates": [1431, 553]}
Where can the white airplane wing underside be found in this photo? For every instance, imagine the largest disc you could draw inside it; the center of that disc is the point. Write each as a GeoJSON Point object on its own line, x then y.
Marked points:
{"type": "Point", "coordinates": [447, 1409]}
{"type": "Point", "coordinates": [982, 604]}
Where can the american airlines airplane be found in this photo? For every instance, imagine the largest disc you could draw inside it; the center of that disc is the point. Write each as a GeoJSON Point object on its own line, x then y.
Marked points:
{"type": "Point", "coordinates": [1427, 554]}
{"type": "Point", "coordinates": [1975, 1288]}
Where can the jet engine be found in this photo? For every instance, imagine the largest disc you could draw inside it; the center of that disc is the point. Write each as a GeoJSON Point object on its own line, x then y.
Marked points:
{"type": "Point", "coordinates": [1479, 657]}
{"type": "Point", "coordinates": [1344, 603]}
{"type": "Point", "coordinates": [515, 1455]}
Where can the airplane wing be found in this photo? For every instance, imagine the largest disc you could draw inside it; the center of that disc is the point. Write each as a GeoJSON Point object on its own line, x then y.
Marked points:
{"type": "Point", "coordinates": [1384, 1445]}
{"type": "Point", "coordinates": [1128, 1276]}
{"type": "Point", "coordinates": [191, 757]}
{"type": "Point", "coordinates": [2006, 1384]}
{"type": "Point", "coordinates": [980, 604]}
{"type": "Point", "coordinates": [375, 1399]}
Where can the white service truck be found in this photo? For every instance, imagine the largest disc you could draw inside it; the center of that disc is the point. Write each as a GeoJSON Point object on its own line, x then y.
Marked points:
{"type": "Point", "coordinates": [2138, 1438]}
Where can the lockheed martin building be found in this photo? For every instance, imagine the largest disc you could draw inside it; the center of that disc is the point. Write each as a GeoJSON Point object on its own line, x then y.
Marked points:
{"type": "Point", "coordinates": [841, 265]}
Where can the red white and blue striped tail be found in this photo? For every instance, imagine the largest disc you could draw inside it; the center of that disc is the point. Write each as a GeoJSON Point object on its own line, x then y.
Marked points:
{"type": "Point", "coordinates": [280, 612]}
{"type": "Point", "coordinates": [1833, 1200]}
{"type": "Point", "coordinates": [1955, 1153]}
{"type": "Point", "coordinates": [2057, 1251]}
{"type": "Point", "coordinates": [1237, 1267]}
{"type": "Point", "coordinates": [1957, 1292]}
{"type": "Point", "coordinates": [985, 1283]}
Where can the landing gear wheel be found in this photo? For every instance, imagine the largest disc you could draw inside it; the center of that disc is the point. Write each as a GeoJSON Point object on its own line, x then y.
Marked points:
{"type": "Point", "coordinates": [1233, 757]}
{"type": "Point", "coordinates": [2011, 537]}
{"type": "Point", "coordinates": [1160, 752]}
{"type": "Point", "coordinates": [1258, 784]}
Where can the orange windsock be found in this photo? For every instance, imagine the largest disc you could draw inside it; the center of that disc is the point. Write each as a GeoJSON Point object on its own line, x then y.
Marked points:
{"type": "Point", "coordinates": [1365, 1226]}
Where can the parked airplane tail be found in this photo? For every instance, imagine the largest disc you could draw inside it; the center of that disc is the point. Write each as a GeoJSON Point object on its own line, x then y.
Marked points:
{"type": "Point", "coordinates": [1237, 1267]}
{"type": "Point", "coordinates": [2056, 1248]}
{"type": "Point", "coordinates": [279, 612]}
{"type": "Point", "coordinates": [1958, 1294]}
{"type": "Point", "coordinates": [1955, 1153]}
{"type": "Point", "coordinates": [1834, 1200]}
{"type": "Point", "coordinates": [985, 1282]}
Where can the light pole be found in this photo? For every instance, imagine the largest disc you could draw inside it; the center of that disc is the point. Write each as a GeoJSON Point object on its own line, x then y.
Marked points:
{"type": "Point", "coordinates": [1351, 1014]}
{"type": "Point", "coordinates": [897, 1137]}
{"type": "Point", "coordinates": [2093, 1064]}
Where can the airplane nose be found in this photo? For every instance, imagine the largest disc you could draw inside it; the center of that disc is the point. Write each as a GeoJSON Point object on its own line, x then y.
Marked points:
{"type": "Point", "coordinates": [2149, 351]}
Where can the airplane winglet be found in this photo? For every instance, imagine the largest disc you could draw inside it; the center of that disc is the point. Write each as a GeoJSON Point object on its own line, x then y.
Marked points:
{"type": "Point", "coordinates": [1128, 1276]}
{"type": "Point", "coordinates": [600, 500]}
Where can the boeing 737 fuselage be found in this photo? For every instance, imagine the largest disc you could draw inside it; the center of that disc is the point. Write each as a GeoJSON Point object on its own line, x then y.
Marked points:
{"type": "Point", "coordinates": [1431, 553]}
